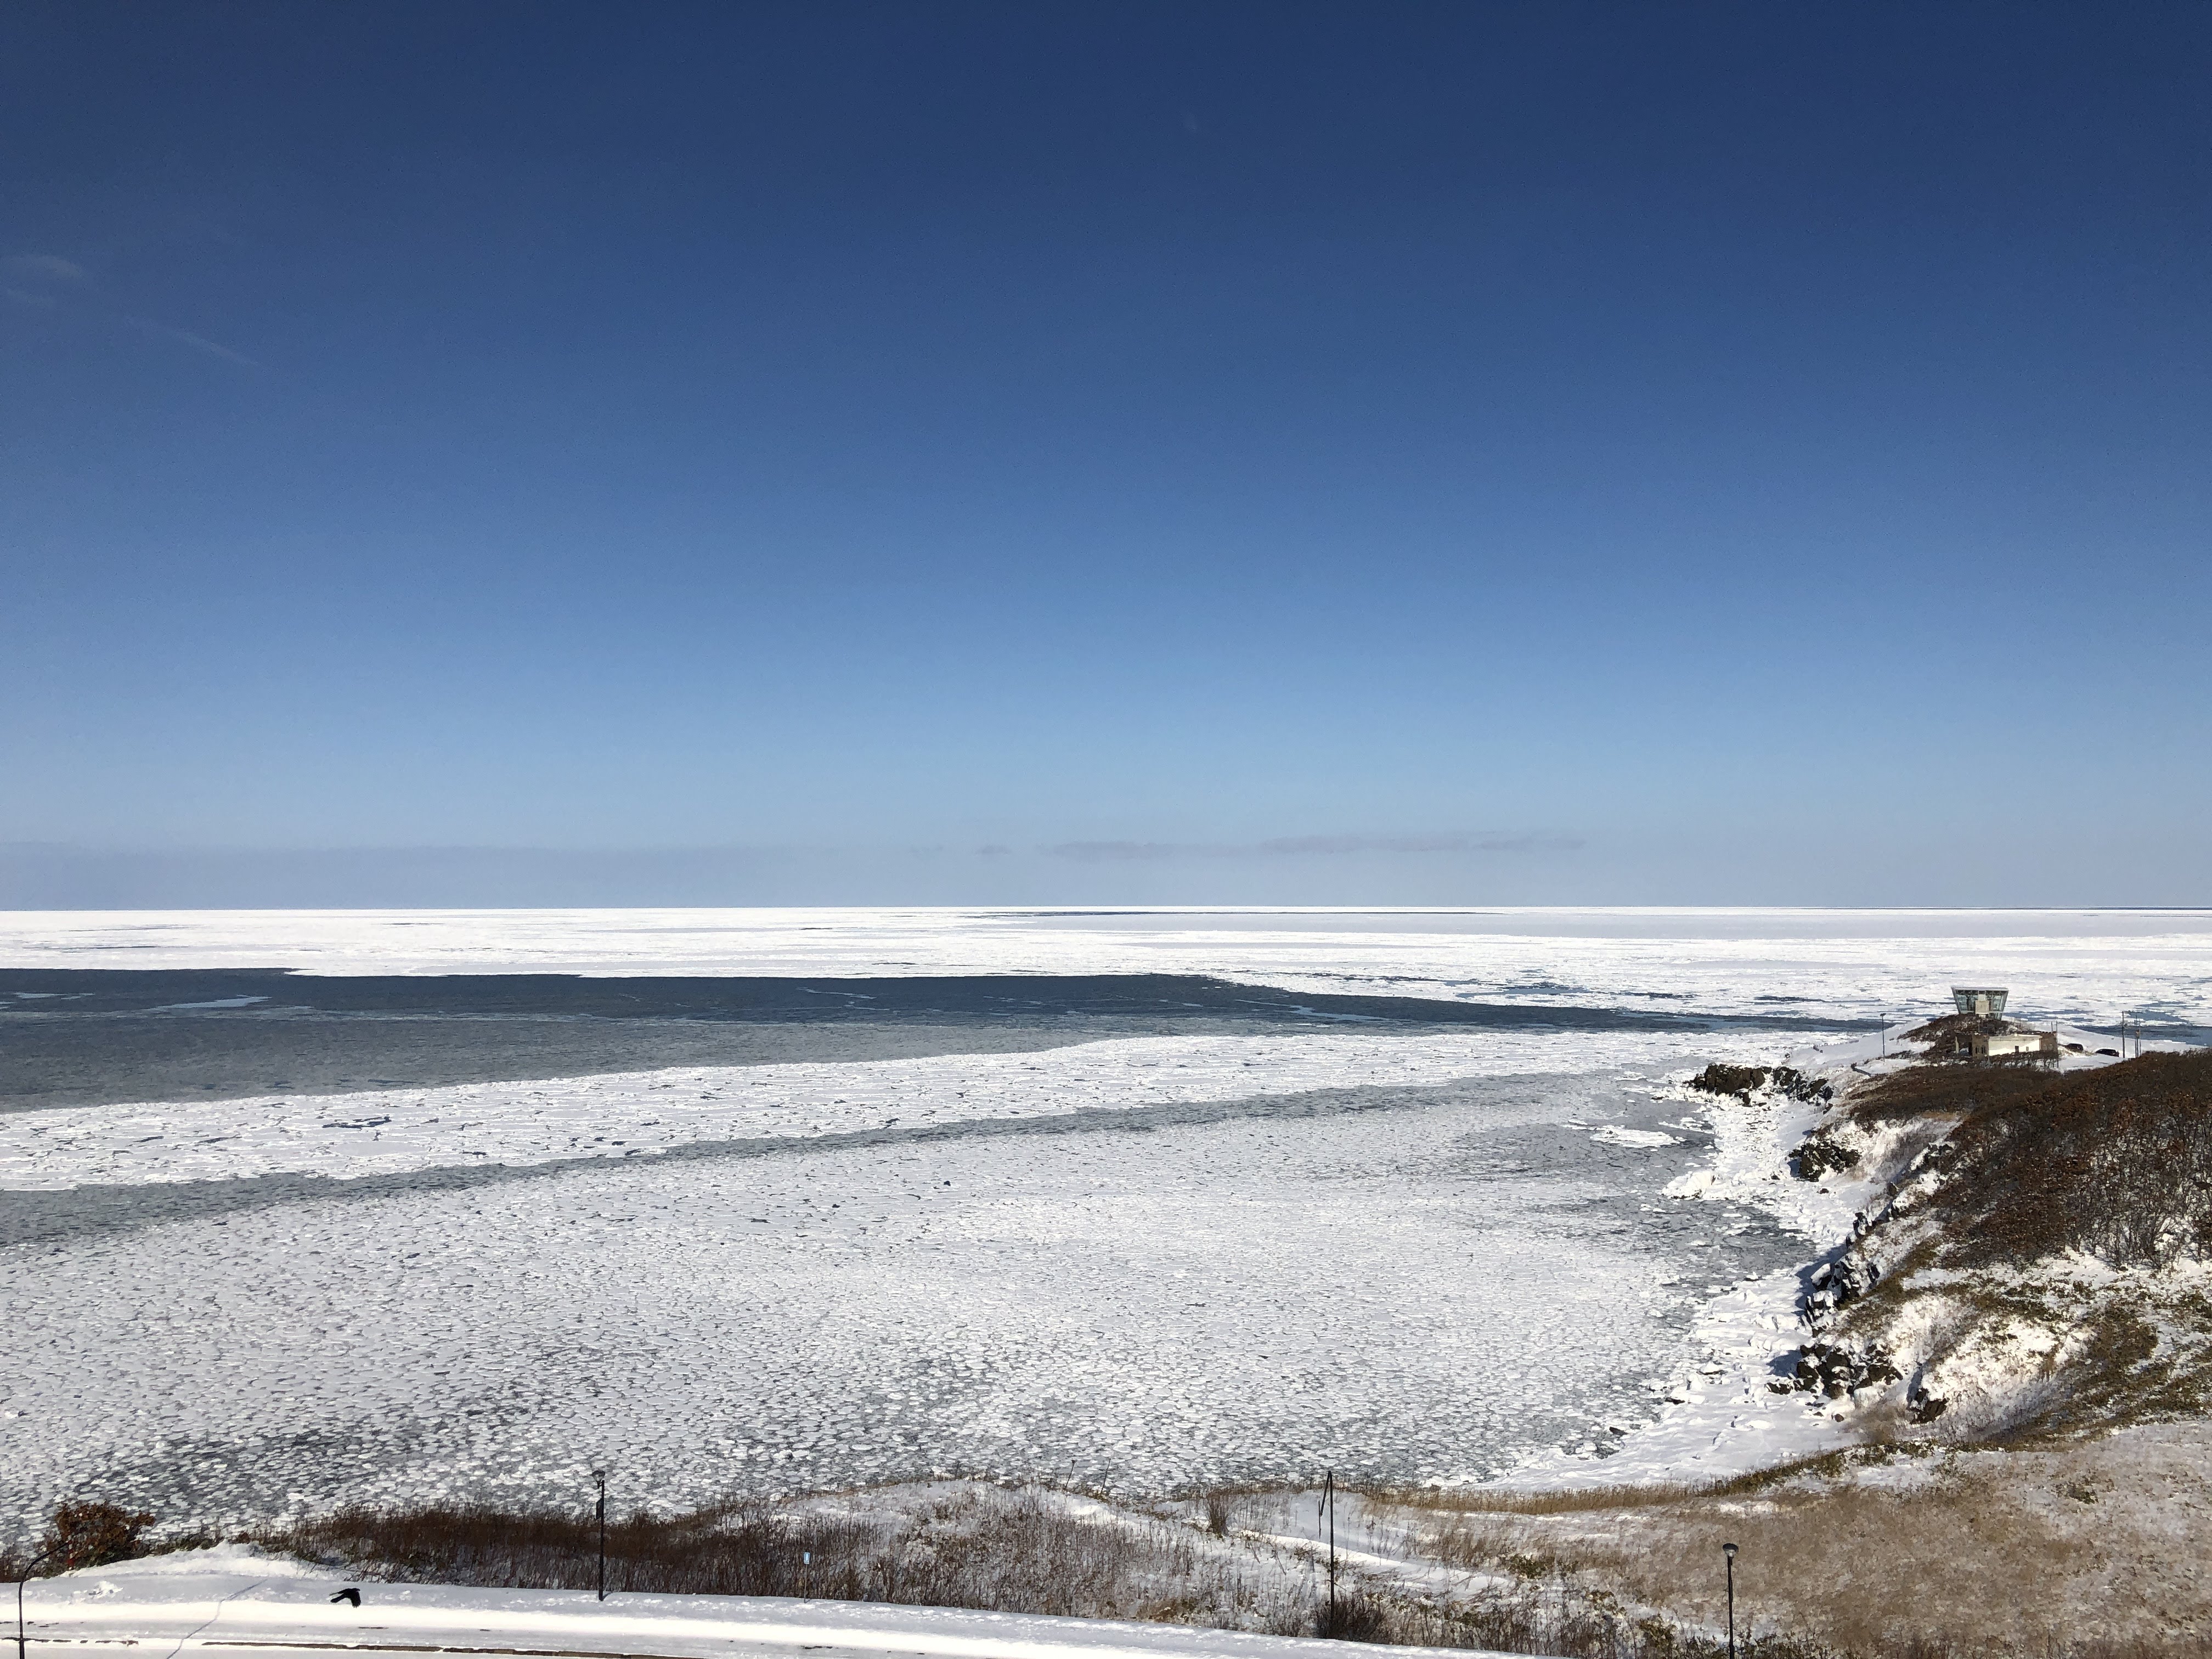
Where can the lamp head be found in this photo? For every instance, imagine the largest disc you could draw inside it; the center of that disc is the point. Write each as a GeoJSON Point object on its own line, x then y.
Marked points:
{"type": "Point", "coordinates": [1728, 1550]}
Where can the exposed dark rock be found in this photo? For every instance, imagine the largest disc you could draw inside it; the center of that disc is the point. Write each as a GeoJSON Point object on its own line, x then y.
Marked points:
{"type": "Point", "coordinates": [1818, 1156]}
{"type": "Point", "coordinates": [1720, 1079]}
{"type": "Point", "coordinates": [1837, 1369]}
{"type": "Point", "coordinates": [1834, 1283]}
{"type": "Point", "coordinates": [1798, 1086]}
{"type": "Point", "coordinates": [1920, 1405]}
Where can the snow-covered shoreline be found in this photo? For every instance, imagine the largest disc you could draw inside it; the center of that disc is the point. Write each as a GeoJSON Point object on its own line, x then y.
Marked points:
{"type": "Point", "coordinates": [1720, 1417]}
{"type": "Point", "coordinates": [1736, 1411]}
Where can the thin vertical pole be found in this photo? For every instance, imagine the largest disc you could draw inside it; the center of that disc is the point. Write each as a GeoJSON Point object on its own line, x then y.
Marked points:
{"type": "Point", "coordinates": [1329, 1512]}
{"type": "Point", "coordinates": [599, 1475]}
{"type": "Point", "coordinates": [1331, 1545]}
{"type": "Point", "coordinates": [1728, 1550]}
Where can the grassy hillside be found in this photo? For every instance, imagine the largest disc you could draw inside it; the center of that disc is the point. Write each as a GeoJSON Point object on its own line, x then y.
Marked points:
{"type": "Point", "coordinates": [2040, 1267]}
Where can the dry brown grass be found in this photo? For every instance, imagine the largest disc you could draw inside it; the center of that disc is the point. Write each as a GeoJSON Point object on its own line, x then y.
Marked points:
{"type": "Point", "coordinates": [2088, 1549]}
{"type": "Point", "coordinates": [1000, 1552]}
{"type": "Point", "coordinates": [1026, 1553]}
{"type": "Point", "coordinates": [2115, 1162]}
{"type": "Point", "coordinates": [1948, 1087]}
{"type": "Point", "coordinates": [1587, 1499]}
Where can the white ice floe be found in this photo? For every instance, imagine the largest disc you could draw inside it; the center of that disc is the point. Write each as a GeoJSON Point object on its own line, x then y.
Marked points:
{"type": "Point", "coordinates": [1406, 1290]}
{"type": "Point", "coordinates": [2075, 964]}
{"type": "Point", "coordinates": [627, 1114]}
{"type": "Point", "coordinates": [1614, 1135]}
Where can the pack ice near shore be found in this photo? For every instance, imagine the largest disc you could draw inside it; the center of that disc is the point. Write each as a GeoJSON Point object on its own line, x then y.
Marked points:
{"type": "Point", "coordinates": [1137, 1262]}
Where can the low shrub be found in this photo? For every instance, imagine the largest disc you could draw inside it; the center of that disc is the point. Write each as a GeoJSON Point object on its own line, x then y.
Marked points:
{"type": "Point", "coordinates": [93, 1534]}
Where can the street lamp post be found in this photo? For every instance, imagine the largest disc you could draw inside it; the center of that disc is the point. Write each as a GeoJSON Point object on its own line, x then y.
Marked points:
{"type": "Point", "coordinates": [1329, 1512]}
{"type": "Point", "coordinates": [28, 1567]}
{"type": "Point", "coordinates": [1728, 1550]}
{"type": "Point", "coordinates": [600, 1476]}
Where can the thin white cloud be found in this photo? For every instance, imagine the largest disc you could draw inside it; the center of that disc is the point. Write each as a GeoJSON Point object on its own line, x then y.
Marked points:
{"type": "Point", "coordinates": [196, 342]}
{"type": "Point", "coordinates": [1470, 840]}
{"type": "Point", "coordinates": [16, 297]}
{"type": "Point", "coordinates": [1460, 841]}
{"type": "Point", "coordinates": [45, 266]}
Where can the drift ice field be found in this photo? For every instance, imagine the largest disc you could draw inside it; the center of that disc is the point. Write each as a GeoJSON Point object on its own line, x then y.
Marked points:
{"type": "Point", "coordinates": [1129, 1254]}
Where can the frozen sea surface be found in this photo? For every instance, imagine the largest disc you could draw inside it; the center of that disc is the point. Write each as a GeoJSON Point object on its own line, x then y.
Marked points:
{"type": "Point", "coordinates": [1410, 1251]}
{"type": "Point", "coordinates": [392, 1131]}
{"type": "Point", "coordinates": [1406, 1283]}
{"type": "Point", "coordinates": [2082, 965]}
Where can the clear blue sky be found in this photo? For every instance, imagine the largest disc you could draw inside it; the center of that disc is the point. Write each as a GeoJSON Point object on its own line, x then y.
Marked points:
{"type": "Point", "coordinates": [1454, 454]}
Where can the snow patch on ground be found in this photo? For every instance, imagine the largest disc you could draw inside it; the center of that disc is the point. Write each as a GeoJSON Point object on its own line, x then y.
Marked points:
{"type": "Point", "coordinates": [218, 1601]}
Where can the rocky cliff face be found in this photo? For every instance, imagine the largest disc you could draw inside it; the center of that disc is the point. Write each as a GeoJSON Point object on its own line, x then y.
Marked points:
{"type": "Point", "coordinates": [2037, 1255]}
